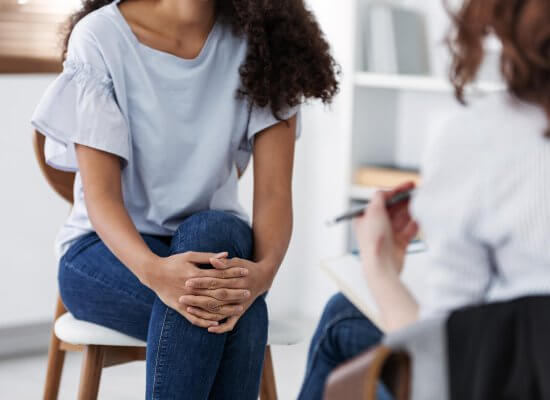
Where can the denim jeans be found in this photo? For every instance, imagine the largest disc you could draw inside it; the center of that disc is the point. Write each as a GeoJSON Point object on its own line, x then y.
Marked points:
{"type": "Point", "coordinates": [343, 333]}
{"type": "Point", "coordinates": [183, 361]}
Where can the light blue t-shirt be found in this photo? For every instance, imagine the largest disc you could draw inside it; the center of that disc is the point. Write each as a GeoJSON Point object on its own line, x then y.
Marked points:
{"type": "Point", "coordinates": [177, 124]}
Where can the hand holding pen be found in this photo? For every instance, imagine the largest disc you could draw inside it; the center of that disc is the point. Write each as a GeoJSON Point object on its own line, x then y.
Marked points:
{"type": "Point", "coordinates": [400, 195]}
{"type": "Point", "coordinates": [385, 231]}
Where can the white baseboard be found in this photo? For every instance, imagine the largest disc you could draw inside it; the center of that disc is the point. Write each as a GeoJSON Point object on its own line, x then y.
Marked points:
{"type": "Point", "coordinates": [24, 340]}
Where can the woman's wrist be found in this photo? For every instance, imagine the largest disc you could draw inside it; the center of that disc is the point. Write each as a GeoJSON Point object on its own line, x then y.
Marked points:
{"type": "Point", "coordinates": [145, 265]}
{"type": "Point", "coordinates": [269, 270]}
{"type": "Point", "coordinates": [378, 268]}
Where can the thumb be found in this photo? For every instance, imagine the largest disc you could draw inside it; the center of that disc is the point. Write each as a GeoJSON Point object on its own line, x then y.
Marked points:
{"type": "Point", "coordinates": [377, 215]}
{"type": "Point", "coordinates": [204, 258]}
{"type": "Point", "coordinates": [377, 205]}
{"type": "Point", "coordinates": [219, 263]}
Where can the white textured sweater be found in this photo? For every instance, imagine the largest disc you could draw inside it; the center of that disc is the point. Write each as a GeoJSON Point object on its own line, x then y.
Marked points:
{"type": "Point", "coordinates": [484, 206]}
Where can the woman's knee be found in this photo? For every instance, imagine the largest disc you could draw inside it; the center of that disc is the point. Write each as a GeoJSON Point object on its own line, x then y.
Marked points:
{"type": "Point", "coordinates": [344, 331]}
{"type": "Point", "coordinates": [214, 231]}
{"type": "Point", "coordinates": [338, 305]}
{"type": "Point", "coordinates": [339, 313]}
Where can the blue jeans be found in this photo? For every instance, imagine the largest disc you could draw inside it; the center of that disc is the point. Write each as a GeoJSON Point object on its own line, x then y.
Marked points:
{"type": "Point", "coordinates": [183, 361]}
{"type": "Point", "coordinates": [343, 333]}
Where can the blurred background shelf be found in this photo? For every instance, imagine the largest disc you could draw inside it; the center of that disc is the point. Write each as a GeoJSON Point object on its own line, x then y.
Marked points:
{"type": "Point", "coordinates": [370, 179]}
{"type": "Point", "coordinates": [384, 177]}
{"type": "Point", "coordinates": [415, 83]}
{"type": "Point", "coordinates": [400, 92]}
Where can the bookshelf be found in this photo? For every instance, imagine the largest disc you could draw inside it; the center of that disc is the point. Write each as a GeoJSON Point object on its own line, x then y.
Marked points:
{"type": "Point", "coordinates": [384, 177]}
{"type": "Point", "coordinates": [372, 80]}
{"type": "Point", "coordinates": [393, 113]}
{"type": "Point", "coordinates": [368, 180]}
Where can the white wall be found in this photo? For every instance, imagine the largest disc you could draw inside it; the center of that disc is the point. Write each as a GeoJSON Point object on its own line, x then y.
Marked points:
{"type": "Point", "coordinates": [30, 213]}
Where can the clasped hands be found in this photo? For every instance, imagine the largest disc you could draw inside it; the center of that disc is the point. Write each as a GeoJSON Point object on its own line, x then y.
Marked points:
{"type": "Point", "coordinates": [213, 299]}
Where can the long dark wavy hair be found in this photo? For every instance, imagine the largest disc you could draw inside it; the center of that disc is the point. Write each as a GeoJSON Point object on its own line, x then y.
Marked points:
{"type": "Point", "coordinates": [288, 60]}
{"type": "Point", "coordinates": [523, 27]}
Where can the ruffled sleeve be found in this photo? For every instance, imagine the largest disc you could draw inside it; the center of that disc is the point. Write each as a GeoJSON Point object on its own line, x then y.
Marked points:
{"type": "Point", "coordinates": [80, 107]}
{"type": "Point", "coordinates": [260, 119]}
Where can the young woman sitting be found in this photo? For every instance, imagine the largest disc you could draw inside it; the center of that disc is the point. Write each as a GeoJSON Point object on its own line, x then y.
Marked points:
{"type": "Point", "coordinates": [158, 110]}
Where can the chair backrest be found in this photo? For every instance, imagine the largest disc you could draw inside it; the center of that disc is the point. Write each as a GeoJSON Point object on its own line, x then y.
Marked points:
{"type": "Point", "coordinates": [62, 182]}
{"type": "Point", "coordinates": [359, 378]}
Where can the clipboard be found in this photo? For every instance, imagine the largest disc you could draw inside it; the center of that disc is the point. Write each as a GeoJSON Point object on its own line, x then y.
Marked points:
{"type": "Point", "coordinates": [348, 274]}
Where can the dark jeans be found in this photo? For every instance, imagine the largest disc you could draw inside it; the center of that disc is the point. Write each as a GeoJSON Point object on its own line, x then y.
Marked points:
{"type": "Point", "coordinates": [343, 333]}
{"type": "Point", "coordinates": [183, 361]}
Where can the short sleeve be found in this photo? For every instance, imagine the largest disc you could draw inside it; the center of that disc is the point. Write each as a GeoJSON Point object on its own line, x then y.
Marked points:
{"type": "Point", "coordinates": [79, 107]}
{"type": "Point", "coordinates": [259, 120]}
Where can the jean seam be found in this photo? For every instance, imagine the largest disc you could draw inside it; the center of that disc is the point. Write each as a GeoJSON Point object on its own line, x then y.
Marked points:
{"type": "Point", "coordinates": [105, 283]}
{"type": "Point", "coordinates": [348, 315]}
{"type": "Point", "coordinates": [70, 255]}
{"type": "Point", "coordinates": [157, 358]}
{"type": "Point", "coordinates": [177, 241]}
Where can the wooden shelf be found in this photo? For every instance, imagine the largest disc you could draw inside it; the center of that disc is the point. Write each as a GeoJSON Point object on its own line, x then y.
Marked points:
{"type": "Point", "coordinates": [368, 180]}
{"type": "Point", "coordinates": [416, 83]}
{"type": "Point", "coordinates": [384, 177]}
{"type": "Point", "coordinates": [26, 65]}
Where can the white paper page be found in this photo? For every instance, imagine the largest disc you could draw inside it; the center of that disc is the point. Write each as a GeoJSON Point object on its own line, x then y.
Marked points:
{"type": "Point", "coordinates": [347, 273]}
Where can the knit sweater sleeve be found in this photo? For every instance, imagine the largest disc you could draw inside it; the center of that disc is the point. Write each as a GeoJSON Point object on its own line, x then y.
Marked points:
{"type": "Point", "coordinates": [449, 208]}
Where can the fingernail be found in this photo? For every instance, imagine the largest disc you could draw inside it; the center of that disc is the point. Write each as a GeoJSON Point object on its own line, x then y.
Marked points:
{"type": "Point", "coordinates": [214, 324]}
{"type": "Point", "coordinates": [188, 284]}
{"type": "Point", "coordinates": [189, 309]}
{"type": "Point", "coordinates": [180, 300]}
{"type": "Point", "coordinates": [241, 308]}
{"type": "Point", "coordinates": [244, 272]}
{"type": "Point", "coordinates": [222, 254]}
{"type": "Point", "coordinates": [247, 294]}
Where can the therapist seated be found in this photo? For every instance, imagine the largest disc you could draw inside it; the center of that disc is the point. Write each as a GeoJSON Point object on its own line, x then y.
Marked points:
{"type": "Point", "coordinates": [484, 206]}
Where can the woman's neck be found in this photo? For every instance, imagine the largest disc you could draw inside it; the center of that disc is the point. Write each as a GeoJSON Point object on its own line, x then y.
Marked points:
{"type": "Point", "coordinates": [179, 27]}
{"type": "Point", "coordinates": [180, 16]}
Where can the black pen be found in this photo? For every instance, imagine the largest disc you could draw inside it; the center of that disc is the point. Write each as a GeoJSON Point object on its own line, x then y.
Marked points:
{"type": "Point", "coordinates": [392, 201]}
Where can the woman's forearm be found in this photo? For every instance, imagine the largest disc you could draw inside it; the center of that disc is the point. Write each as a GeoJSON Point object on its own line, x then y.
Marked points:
{"type": "Point", "coordinates": [398, 308]}
{"type": "Point", "coordinates": [116, 229]}
{"type": "Point", "coordinates": [272, 217]}
{"type": "Point", "coordinates": [101, 178]}
{"type": "Point", "coordinates": [272, 228]}
{"type": "Point", "coordinates": [384, 235]}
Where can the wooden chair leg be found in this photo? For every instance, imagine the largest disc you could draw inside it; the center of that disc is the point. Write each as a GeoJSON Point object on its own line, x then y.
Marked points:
{"type": "Point", "coordinates": [268, 390]}
{"type": "Point", "coordinates": [90, 375]}
{"type": "Point", "coordinates": [56, 359]}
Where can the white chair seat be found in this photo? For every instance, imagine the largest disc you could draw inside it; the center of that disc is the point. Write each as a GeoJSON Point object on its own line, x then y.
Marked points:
{"type": "Point", "coordinates": [74, 331]}
{"type": "Point", "coordinates": [77, 332]}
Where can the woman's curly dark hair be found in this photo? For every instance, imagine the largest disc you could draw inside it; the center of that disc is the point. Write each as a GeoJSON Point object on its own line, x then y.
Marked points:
{"type": "Point", "coordinates": [523, 27]}
{"type": "Point", "coordinates": [288, 58]}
